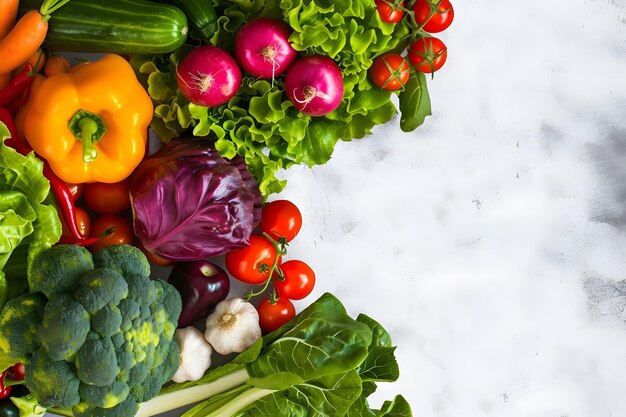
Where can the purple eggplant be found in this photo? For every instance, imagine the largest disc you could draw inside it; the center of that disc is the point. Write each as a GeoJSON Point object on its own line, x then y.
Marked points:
{"type": "Point", "coordinates": [202, 285]}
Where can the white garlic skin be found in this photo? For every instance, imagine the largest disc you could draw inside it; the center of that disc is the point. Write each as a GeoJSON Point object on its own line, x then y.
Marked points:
{"type": "Point", "coordinates": [233, 326]}
{"type": "Point", "coordinates": [195, 354]}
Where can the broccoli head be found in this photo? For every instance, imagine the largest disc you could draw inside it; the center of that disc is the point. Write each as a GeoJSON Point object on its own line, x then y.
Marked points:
{"type": "Point", "coordinates": [19, 325]}
{"type": "Point", "coordinates": [103, 337]}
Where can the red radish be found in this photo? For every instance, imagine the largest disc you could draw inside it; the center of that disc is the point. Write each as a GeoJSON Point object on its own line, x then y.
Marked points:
{"type": "Point", "coordinates": [208, 76]}
{"type": "Point", "coordinates": [262, 48]}
{"type": "Point", "coordinates": [314, 85]}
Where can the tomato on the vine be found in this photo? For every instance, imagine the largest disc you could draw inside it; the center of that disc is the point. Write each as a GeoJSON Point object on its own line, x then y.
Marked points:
{"type": "Point", "coordinates": [298, 280]}
{"type": "Point", "coordinates": [390, 11]}
{"type": "Point", "coordinates": [106, 198]}
{"type": "Point", "coordinates": [434, 17]}
{"type": "Point", "coordinates": [390, 72]}
{"type": "Point", "coordinates": [83, 223]}
{"type": "Point", "coordinates": [253, 263]}
{"type": "Point", "coordinates": [273, 315]}
{"type": "Point", "coordinates": [281, 218]}
{"type": "Point", "coordinates": [427, 55]}
{"type": "Point", "coordinates": [111, 229]}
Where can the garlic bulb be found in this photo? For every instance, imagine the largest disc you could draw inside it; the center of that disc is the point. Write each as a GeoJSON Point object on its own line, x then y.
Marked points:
{"type": "Point", "coordinates": [233, 326]}
{"type": "Point", "coordinates": [195, 355]}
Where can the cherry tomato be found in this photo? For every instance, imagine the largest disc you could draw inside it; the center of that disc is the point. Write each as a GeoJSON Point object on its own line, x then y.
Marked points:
{"type": "Point", "coordinates": [4, 390]}
{"type": "Point", "coordinates": [252, 264]}
{"type": "Point", "coordinates": [152, 258]}
{"type": "Point", "coordinates": [82, 222]}
{"type": "Point", "coordinates": [442, 15]}
{"type": "Point", "coordinates": [390, 71]}
{"type": "Point", "coordinates": [76, 190]}
{"type": "Point", "coordinates": [428, 54]}
{"type": "Point", "coordinates": [16, 372]}
{"type": "Point", "coordinates": [390, 11]}
{"type": "Point", "coordinates": [107, 198]}
{"type": "Point", "coordinates": [281, 218]}
{"type": "Point", "coordinates": [111, 229]}
{"type": "Point", "coordinates": [273, 316]}
{"type": "Point", "coordinates": [299, 280]}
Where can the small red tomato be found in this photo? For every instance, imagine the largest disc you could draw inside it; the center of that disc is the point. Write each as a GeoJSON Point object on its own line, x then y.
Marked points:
{"type": "Point", "coordinates": [76, 190]}
{"type": "Point", "coordinates": [111, 230]}
{"type": "Point", "coordinates": [427, 55]}
{"type": "Point", "coordinates": [298, 282]}
{"type": "Point", "coordinates": [273, 316]}
{"type": "Point", "coordinates": [252, 264]}
{"type": "Point", "coordinates": [83, 223]}
{"type": "Point", "coordinates": [390, 72]}
{"type": "Point", "coordinates": [434, 17]}
{"type": "Point", "coordinates": [390, 11]}
{"type": "Point", "coordinates": [4, 390]}
{"type": "Point", "coordinates": [281, 218]}
{"type": "Point", "coordinates": [106, 198]}
{"type": "Point", "coordinates": [16, 372]}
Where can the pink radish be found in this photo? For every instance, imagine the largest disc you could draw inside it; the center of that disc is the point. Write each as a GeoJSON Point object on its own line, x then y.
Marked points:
{"type": "Point", "coordinates": [208, 76]}
{"type": "Point", "coordinates": [314, 85]}
{"type": "Point", "coordinates": [262, 48]}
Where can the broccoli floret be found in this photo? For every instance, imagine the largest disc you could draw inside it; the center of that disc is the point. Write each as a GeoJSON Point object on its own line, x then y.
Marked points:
{"type": "Point", "coordinates": [53, 383]}
{"type": "Point", "coordinates": [64, 327]}
{"type": "Point", "coordinates": [125, 360]}
{"type": "Point", "coordinates": [138, 373]}
{"type": "Point", "coordinates": [118, 340]}
{"type": "Point", "coordinates": [141, 289]}
{"type": "Point", "coordinates": [127, 408]}
{"type": "Point", "coordinates": [107, 321]}
{"type": "Point", "coordinates": [58, 269]}
{"type": "Point", "coordinates": [130, 310]}
{"type": "Point", "coordinates": [100, 287]}
{"type": "Point", "coordinates": [105, 397]}
{"type": "Point", "coordinates": [19, 322]}
{"type": "Point", "coordinates": [125, 259]}
{"type": "Point", "coordinates": [158, 375]}
{"type": "Point", "coordinates": [96, 362]}
{"type": "Point", "coordinates": [172, 362]}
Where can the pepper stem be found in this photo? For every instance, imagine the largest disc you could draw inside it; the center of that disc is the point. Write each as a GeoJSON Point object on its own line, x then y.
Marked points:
{"type": "Point", "coordinates": [88, 128]}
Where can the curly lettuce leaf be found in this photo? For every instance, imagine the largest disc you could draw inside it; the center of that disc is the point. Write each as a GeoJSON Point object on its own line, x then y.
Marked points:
{"type": "Point", "coordinates": [28, 223]}
{"type": "Point", "coordinates": [260, 124]}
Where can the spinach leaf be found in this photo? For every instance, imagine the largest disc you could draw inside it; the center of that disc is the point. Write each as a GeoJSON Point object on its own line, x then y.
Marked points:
{"type": "Point", "coordinates": [414, 102]}
{"type": "Point", "coordinates": [399, 407]}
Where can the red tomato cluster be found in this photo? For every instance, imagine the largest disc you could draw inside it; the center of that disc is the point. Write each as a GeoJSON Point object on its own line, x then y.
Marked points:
{"type": "Point", "coordinates": [261, 262]}
{"type": "Point", "coordinates": [426, 54]}
{"type": "Point", "coordinates": [109, 205]}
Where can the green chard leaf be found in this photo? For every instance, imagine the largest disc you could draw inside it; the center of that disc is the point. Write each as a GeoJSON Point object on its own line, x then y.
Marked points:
{"type": "Point", "coordinates": [399, 407]}
{"type": "Point", "coordinates": [414, 102]}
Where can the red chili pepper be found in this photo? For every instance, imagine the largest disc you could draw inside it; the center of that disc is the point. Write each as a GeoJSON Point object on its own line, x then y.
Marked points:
{"type": "Point", "coordinates": [65, 202]}
{"type": "Point", "coordinates": [15, 106]}
{"type": "Point", "coordinates": [4, 391]}
{"type": "Point", "coordinates": [18, 85]}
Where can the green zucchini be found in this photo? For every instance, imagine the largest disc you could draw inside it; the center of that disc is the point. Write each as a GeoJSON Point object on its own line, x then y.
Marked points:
{"type": "Point", "coordinates": [117, 26]}
{"type": "Point", "coordinates": [201, 16]}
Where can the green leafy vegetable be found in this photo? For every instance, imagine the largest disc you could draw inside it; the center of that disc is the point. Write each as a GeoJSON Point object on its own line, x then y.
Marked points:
{"type": "Point", "coordinates": [260, 123]}
{"type": "Point", "coordinates": [320, 364]}
{"type": "Point", "coordinates": [414, 102]}
{"type": "Point", "coordinates": [29, 224]}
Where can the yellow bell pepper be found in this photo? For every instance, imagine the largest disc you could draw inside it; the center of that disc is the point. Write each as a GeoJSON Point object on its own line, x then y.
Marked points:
{"type": "Point", "coordinates": [92, 124]}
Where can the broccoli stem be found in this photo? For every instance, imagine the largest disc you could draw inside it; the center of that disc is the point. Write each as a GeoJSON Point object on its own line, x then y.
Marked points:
{"type": "Point", "coordinates": [183, 397]}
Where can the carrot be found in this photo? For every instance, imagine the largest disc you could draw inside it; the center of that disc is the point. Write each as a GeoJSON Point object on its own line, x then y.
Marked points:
{"type": "Point", "coordinates": [36, 60]}
{"type": "Point", "coordinates": [56, 64]}
{"type": "Point", "coordinates": [26, 36]}
{"type": "Point", "coordinates": [8, 13]}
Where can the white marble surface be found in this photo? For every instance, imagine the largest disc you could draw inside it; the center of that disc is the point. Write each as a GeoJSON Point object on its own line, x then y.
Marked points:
{"type": "Point", "coordinates": [492, 241]}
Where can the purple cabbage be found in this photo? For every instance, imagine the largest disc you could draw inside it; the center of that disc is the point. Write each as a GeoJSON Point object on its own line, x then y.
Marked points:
{"type": "Point", "coordinates": [189, 203]}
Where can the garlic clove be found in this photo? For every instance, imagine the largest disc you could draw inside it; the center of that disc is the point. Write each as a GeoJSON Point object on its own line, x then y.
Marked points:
{"type": "Point", "coordinates": [195, 355]}
{"type": "Point", "coordinates": [233, 326]}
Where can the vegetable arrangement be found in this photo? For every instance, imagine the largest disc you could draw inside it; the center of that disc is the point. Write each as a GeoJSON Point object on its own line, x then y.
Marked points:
{"type": "Point", "coordinates": [235, 90]}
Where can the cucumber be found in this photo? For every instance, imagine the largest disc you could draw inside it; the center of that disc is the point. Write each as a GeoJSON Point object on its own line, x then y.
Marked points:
{"type": "Point", "coordinates": [201, 16]}
{"type": "Point", "coordinates": [116, 26]}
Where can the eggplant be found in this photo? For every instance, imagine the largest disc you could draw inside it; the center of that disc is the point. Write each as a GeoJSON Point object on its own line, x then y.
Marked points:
{"type": "Point", "coordinates": [201, 285]}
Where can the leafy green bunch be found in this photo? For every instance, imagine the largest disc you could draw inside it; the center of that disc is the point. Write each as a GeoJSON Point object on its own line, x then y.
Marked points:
{"type": "Point", "coordinates": [260, 123]}
{"type": "Point", "coordinates": [96, 334]}
{"type": "Point", "coordinates": [322, 363]}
